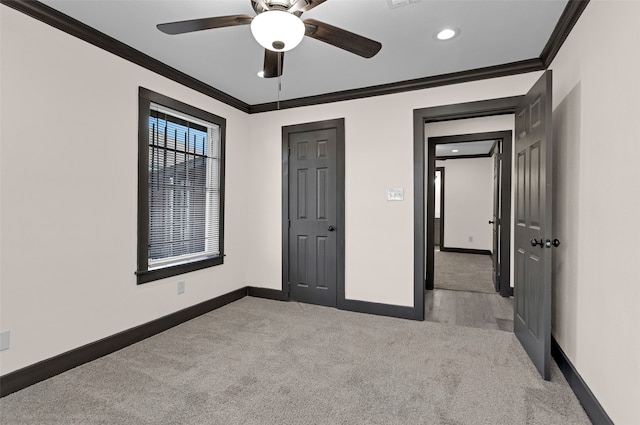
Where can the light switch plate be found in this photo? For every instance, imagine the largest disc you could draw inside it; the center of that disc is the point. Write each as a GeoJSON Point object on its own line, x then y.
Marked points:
{"type": "Point", "coordinates": [395, 194]}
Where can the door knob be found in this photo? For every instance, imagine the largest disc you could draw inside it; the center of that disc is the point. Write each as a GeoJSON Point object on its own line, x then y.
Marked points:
{"type": "Point", "coordinates": [550, 243]}
{"type": "Point", "coordinates": [491, 221]}
{"type": "Point", "coordinates": [535, 242]}
{"type": "Point", "coordinates": [331, 228]}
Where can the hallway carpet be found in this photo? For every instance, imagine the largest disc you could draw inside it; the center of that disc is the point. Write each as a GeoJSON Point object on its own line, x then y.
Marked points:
{"type": "Point", "coordinates": [259, 361]}
{"type": "Point", "coordinates": [463, 272]}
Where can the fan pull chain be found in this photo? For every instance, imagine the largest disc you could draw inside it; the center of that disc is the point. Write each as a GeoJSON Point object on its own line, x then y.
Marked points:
{"type": "Point", "coordinates": [279, 79]}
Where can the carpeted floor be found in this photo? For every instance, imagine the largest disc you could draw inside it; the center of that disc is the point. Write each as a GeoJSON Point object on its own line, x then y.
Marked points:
{"type": "Point", "coordinates": [463, 272]}
{"type": "Point", "coordinates": [259, 361]}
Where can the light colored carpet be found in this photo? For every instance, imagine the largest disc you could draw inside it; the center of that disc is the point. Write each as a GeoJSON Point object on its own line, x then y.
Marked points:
{"type": "Point", "coordinates": [463, 272]}
{"type": "Point", "coordinates": [259, 361]}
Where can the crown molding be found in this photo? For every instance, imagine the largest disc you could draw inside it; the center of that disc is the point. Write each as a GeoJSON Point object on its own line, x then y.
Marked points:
{"type": "Point", "coordinates": [513, 68]}
{"type": "Point", "coordinates": [568, 19]}
{"type": "Point", "coordinates": [56, 19]}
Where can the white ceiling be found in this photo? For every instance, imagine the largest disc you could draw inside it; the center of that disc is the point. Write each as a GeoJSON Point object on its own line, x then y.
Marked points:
{"type": "Point", "coordinates": [492, 33]}
{"type": "Point", "coordinates": [480, 147]}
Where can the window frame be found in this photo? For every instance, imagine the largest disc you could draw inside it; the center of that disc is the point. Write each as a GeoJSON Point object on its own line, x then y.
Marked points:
{"type": "Point", "coordinates": [143, 274]}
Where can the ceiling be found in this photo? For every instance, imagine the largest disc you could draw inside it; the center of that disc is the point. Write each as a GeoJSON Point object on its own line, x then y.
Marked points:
{"type": "Point", "coordinates": [462, 149]}
{"type": "Point", "coordinates": [492, 33]}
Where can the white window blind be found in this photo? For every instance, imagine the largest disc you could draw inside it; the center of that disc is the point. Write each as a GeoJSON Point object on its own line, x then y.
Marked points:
{"type": "Point", "coordinates": [184, 188]}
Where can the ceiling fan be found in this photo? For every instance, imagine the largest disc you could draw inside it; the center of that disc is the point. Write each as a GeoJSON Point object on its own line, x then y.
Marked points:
{"type": "Point", "coordinates": [278, 28]}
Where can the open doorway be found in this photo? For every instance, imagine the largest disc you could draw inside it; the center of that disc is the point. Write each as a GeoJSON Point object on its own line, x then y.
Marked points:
{"type": "Point", "coordinates": [471, 230]}
{"type": "Point", "coordinates": [464, 243]}
{"type": "Point", "coordinates": [478, 175]}
{"type": "Point", "coordinates": [532, 269]}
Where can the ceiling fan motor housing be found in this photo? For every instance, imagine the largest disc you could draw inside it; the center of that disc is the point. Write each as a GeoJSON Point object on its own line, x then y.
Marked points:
{"type": "Point", "coordinates": [284, 5]}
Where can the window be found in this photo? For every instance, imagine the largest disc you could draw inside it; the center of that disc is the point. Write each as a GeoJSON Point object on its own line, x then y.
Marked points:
{"type": "Point", "coordinates": [180, 188]}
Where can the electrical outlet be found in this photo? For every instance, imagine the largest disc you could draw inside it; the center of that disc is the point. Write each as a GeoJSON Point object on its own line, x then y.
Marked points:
{"type": "Point", "coordinates": [181, 287]}
{"type": "Point", "coordinates": [470, 238]}
{"type": "Point", "coordinates": [4, 340]}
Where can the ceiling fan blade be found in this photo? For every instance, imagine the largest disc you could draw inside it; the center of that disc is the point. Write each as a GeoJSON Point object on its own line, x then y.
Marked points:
{"type": "Point", "coordinates": [304, 5]}
{"type": "Point", "coordinates": [273, 62]}
{"type": "Point", "coordinates": [182, 27]}
{"type": "Point", "coordinates": [342, 39]}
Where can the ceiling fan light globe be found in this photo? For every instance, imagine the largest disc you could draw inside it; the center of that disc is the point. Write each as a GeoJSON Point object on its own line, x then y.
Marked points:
{"type": "Point", "coordinates": [277, 30]}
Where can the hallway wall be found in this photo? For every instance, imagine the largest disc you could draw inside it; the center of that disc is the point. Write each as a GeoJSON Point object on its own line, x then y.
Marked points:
{"type": "Point", "coordinates": [468, 203]}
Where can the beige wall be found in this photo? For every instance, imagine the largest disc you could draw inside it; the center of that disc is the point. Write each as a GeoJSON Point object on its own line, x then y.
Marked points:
{"type": "Point", "coordinates": [597, 203]}
{"type": "Point", "coordinates": [379, 155]}
{"type": "Point", "coordinates": [468, 203]}
{"type": "Point", "coordinates": [69, 195]}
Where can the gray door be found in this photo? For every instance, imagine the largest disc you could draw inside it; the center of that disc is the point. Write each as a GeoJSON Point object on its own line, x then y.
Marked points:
{"type": "Point", "coordinates": [313, 217]}
{"type": "Point", "coordinates": [532, 286]}
{"type": "Point", "coordinates": [495, 220]}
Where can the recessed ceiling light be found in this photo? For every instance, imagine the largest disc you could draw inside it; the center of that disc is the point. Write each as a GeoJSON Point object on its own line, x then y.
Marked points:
{"type": "Point", "coordinates": [447, 33]}
{"type": "Point", "coordinates": [455, 150]}
{"type": "Point", "coordinates": [261, 74]}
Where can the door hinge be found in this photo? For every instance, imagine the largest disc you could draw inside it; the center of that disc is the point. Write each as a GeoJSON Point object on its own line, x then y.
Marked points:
{"type": "Point", "coordinates": [288, 152]}
{"type": "Point", "coordinates": [289, 220]}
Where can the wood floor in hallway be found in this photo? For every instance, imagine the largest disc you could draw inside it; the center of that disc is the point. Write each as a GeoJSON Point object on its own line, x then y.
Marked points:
{"type": "Point", "coordinates": [471, 309]}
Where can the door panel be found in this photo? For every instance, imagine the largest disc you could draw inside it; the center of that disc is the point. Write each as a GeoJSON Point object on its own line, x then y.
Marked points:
{"type": "Point", "coordinates": [534, 187]}
{"type": "Point", "coordinates": [322, 180]}
{"type": "Point", "coordinates": [534, 276]}
{"type": "Point", "coordinates": [302, 260]}
{"type": "Point", "coordinates": [521, 181]}
{"type": "Point", "coordinates": [520, 282]}
{"type": "Point", "coordinates": [532, 291]}
{"type": "Point", "coordinates": [312, 202]}
{"type": "Point", "coordinates": [302, 193]}
{"type": "Point", "coordinates": [321, 261]}
{"type": "Point", "coordinates": [496, 217]}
